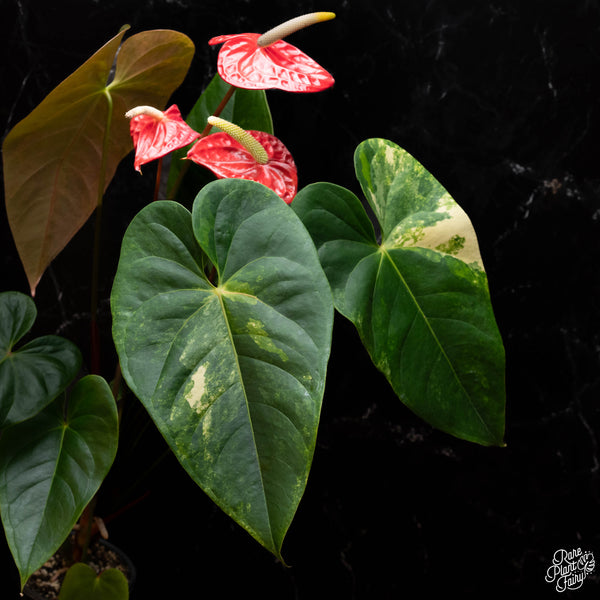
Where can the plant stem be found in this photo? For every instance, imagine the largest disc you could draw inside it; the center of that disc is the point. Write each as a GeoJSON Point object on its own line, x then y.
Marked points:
{"type": "Point", "coordinates": [219, 109]}
{"type": "Point", "coordinates": [94, 331]}
{"type": "Point", "coordinates": [83, 536]}
{"type": "Point", "coordinates": [158, 174]}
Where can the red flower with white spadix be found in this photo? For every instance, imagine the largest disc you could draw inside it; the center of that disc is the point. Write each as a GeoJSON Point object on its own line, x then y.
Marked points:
{"type": "Point", "coordinates": [258, 62]}
{"type": "Point", "coordinates": [156, 133]}
{"type": "Point", "coordinates": [234, 153]}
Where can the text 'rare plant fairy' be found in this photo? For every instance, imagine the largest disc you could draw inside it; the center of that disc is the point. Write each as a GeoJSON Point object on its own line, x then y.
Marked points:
{"type": "Point", "coordinates": [222, 315]}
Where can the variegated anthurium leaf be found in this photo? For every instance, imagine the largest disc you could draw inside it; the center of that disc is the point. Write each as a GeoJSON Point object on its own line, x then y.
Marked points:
{"type": "Point", "coordinates": [232, 372]}
{"type": "Point", "coordinates": [419, 299]}
{"type": "Point", "coordinates": [35, 373]}
{"type": "Point", "coordinates": [50, 468]}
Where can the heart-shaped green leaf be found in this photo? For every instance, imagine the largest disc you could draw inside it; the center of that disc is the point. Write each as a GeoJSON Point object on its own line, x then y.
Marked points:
{"type": "Point", "coordinates": [32, 376]}
{"type": "Point", "coordinates": [50, 468]}
{"type": "Point", "coordinates": [247, 108]}
{"type": "Point", "coordinates": [420, 299]}
{"type": "Point", "coordinates": [82, 582]}
{"type": "Point", "coordinates": [232, 373]}
{"type": "Point", "coordinates": [56, 162]}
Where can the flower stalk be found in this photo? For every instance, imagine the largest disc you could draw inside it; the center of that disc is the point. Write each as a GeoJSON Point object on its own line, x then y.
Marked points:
{"type": "Point", "coordinates": [94, 334]}
{"type": "Point", "coordinates": [226, 98]}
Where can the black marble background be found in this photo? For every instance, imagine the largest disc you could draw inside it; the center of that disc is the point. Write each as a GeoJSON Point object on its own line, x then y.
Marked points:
{"type": "Point", "coordinates": [500, 100]}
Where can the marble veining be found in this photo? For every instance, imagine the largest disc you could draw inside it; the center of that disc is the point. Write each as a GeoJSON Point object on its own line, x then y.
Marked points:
{"type": "Point", "coordinates": [499, 100]}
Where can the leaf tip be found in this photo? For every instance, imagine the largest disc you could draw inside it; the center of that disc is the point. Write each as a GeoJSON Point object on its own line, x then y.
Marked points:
{"type": "Point", "coordinates": [33, 285]}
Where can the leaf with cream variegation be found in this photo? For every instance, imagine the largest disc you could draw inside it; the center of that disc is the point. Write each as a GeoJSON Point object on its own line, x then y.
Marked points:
{"type": "Point", "coordinates": [419, 298]}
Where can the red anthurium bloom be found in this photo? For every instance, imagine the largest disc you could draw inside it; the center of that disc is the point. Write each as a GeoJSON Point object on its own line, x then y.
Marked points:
{"type": "Point", "coordinates": [259, 62]}
{"type": "Point", "coordinates": [238, 154]}
{"type": "Point", "coordinates": [156, 133]}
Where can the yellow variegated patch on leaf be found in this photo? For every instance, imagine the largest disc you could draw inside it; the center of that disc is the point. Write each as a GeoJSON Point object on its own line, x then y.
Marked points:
{"type": "Point", "coordinates": [413, 207]}
{"type": "Point", "coordinates": [419, 298]}
{"type": "Point", "coordinates": [231, 369]}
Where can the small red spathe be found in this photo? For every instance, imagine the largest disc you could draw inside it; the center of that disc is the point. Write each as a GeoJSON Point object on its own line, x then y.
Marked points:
{"type": "Point", "coordinates": [154, 137]}
{"type": "Point", "coordinates": [227, 158]}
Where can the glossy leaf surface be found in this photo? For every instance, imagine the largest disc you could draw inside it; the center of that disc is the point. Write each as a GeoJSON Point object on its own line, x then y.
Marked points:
{"type": "Point", "coordinates": [82, 581]}
{"type": "Point", "coordinates": [52, 158]}
{"type": "Point", "coordinates": [420, 299]}
{"type": "Point", "coordinates": [232, 373]}
{"type": "Point", "coordinates": [227, 158]}
{"type": "Point", "coordinates": [247, 108]}
{"type": "Point", "coordinates": [34, 374]}
{"type": "Point", "coordinates": [243, 63]}
{"type": "Point", "coordinates": [50, 468]}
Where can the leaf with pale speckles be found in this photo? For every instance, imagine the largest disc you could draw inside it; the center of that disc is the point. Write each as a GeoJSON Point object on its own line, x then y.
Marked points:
{"type": "Point", "coordinates": [419, 298]}
{"type": "Point", "coordinates": [231, 367]}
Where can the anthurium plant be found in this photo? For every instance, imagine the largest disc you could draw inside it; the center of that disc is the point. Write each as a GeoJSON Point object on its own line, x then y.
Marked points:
{"type": "Point", "coordinates": [222, 315]}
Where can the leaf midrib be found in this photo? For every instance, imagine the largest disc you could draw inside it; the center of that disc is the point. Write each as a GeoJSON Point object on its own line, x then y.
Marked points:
{"type": "Point", "coordinates": [385, 255]}
{"type": "Point", "coordinates": [243, 386]}
{"type": "Point", "coordinates": [52, 478]}
{"type": "Point", "coordinates": [84, 124]}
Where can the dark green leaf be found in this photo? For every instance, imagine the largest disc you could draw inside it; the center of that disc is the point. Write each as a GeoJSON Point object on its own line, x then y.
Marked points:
{"type": "Point", "coordinates": [33, 375]}
{"type": "Point", "coordinates": [232, 373]}
{"type": "Point", "coordinates": [50, 468]}
{"type": "Point", "coordinates": [420, 299]}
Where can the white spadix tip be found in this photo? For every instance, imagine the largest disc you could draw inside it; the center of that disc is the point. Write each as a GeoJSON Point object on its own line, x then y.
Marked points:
{"type": "Point", "coordinates": [291, 26]}
{"type": "Point", "coordinates": [144, 110]}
